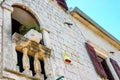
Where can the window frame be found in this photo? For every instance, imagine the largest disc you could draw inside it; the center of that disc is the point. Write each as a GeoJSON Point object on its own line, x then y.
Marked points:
{"type": "Point", "coordinates": [104, 54]}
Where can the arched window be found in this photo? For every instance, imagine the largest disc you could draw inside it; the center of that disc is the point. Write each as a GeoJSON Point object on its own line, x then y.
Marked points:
{"type": "Point", "coordinates": [21, 18]}
{"type": "Point", "coordinates": [22, 22]}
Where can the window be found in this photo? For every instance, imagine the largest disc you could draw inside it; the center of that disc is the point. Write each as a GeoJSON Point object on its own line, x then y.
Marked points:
{"type": "Point", "coordinates": [99, 63]}
{"type": "Point", "coordinates": [116, 67]}
{"type": "Point", "coordinates": [106, 68]}
{"type": "Point", "coordinates": [20, 17]}
{"type": "Point", "coordinates": [63, 4]}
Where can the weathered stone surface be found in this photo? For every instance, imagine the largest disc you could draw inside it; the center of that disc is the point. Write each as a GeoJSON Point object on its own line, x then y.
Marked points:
{"type": "Point", "coordinates": [7, 43]}
{"type": "Point", "coordinates": [61, 38]}
{"type": "Point", "coordinates": [32, 46]}
{"type": "Point", "coordinates": [40, 76]}
{"type": "Point", "coordinates": [27, 72]}
{"type": "Point", "coordinates": [33, 35]}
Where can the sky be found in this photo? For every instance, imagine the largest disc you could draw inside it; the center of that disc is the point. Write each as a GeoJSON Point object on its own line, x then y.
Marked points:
{"type": "Point", "coordinates": [104, 12]}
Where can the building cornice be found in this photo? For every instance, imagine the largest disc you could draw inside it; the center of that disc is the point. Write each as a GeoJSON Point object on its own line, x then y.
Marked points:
{"type": "Point", "coordinates": [92, 25]}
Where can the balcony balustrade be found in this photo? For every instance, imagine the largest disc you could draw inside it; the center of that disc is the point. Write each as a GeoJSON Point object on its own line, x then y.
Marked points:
{"type": "Point", "coordinates": [30, 48]}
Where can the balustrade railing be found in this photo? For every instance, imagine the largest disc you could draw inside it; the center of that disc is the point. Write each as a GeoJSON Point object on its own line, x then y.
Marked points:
{"type": "Point", "coordinates": [29, 48]}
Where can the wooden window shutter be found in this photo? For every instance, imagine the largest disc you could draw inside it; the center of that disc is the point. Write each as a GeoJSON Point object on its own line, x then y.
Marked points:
{"type": "Point", "coordinates": [62, 3]}
{"type": "Point", "coordinates": [116, 67]}
{"type": "Point", "coordinates": [98, 66]}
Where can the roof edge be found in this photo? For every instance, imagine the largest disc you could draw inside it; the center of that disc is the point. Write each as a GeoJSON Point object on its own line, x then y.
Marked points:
{"type": "Point", "coordinates": [97, 26]}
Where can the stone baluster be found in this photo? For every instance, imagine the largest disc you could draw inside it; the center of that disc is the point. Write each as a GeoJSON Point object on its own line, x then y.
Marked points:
{"type": "Point", "coordinates": [37, 67]}
{"type": "Point", "coordinates": [26, 64]}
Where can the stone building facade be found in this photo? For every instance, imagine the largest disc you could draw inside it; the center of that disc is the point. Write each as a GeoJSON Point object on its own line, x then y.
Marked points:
{"type": "Point", "coordinates": [71, 45]}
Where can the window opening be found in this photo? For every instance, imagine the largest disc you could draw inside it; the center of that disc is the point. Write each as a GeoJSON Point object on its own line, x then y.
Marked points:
{"type": "Point", "coordinates": [31, 60]}
{"type": "Point", "coordinates": [99, 63]}
{"type": "Point", "coordinates": [42, 42]}
{"type": "Point", "coordinates": [19, 60]}
{"type": "Point", "coordinates": [106, 68]}
{"type": "Point", "coordinates": [23, 20]}
{"type": "Point", "coordinates": [95, 61]}
{"type": "Point", "coordinates": [43, 70]}
{"type": "Point", "coordinates": [15, 26]}
{"type": "Point", "coordinates": [115, 66]}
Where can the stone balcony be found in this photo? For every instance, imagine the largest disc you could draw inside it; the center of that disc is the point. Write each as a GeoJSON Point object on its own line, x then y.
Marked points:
{"type": "Point", "coordinates": [28, 48]}
{"type": "Point", "coordinates": [32, 46]}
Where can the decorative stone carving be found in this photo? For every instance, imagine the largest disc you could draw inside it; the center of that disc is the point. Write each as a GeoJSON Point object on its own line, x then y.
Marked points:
{"type": "Point", "coordinates": [32, 46]}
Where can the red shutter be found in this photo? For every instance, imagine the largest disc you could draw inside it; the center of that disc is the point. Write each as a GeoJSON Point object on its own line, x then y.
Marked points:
{"type": "Point", "coordinates": [116, 67]}
{"type": "Point", "coordinates": [98, 66]}
{"type": "Point", "coordinates": [62, 3]}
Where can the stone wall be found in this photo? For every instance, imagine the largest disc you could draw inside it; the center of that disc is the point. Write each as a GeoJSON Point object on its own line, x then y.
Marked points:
{"type": "Point", "coordinates": [65, 38]}
{"type": "Point", "coordinates": [71, 39]}
{"type": "Point", "coordinates": [1, 39]}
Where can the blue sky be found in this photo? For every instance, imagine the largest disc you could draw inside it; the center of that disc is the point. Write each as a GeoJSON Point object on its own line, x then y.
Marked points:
{"type": "Point", "coordinates": [105, 12]}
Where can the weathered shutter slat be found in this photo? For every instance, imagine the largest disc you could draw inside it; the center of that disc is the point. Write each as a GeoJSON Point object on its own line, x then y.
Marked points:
{"type": "Point", "coordinates": [62, 3]}
{"type": "Point", "coordinates": [116, 67]}
{"type": "Point", "coordinates": [98, 66]}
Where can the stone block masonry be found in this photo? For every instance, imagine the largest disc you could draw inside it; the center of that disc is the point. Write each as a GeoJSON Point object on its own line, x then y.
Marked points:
{"type": "Point", "coordinates": [62, 38]}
